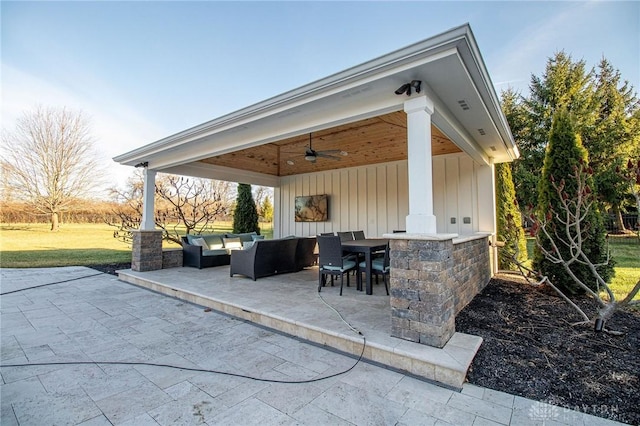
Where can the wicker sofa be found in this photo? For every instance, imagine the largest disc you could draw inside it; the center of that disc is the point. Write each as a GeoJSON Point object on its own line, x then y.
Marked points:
{"type": "Point", "coordinates": [270, 257]}
{"type": "Point", "coordinates": [218, 250]}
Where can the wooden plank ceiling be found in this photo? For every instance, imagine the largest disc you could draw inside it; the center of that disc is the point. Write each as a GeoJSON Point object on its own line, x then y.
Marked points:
{"type": "Point", "coordinates": [374, 140]}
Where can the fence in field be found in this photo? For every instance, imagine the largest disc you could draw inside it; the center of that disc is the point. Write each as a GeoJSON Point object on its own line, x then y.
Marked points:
{"type": "Point", "coordinates": [630, 222]}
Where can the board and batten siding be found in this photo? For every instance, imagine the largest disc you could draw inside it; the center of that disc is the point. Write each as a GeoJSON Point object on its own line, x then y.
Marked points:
{"type": "Point", "coordinates": [375, 198]}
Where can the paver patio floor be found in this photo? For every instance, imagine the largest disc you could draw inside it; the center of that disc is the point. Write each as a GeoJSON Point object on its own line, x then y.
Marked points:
{"type": "Point", "coordinates": [101, 319]}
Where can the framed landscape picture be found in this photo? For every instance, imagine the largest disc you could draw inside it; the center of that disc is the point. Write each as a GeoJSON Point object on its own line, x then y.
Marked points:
{"type": "Point", "coordinates": [312, 208]}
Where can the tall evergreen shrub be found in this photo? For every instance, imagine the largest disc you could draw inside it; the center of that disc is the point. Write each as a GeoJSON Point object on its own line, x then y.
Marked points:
{"type": "Point", "coordinates": [245, 217]}
{"type": "Point", "coordinates": [509, 219]}
{"type": "Point", "coordinates": [563, 155]}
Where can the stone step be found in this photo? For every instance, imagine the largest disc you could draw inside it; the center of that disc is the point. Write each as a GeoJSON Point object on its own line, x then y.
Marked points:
{"type": "Point", "coordinates": [447, 366]}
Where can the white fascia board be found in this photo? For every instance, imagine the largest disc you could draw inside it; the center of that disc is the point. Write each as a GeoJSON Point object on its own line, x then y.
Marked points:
{"type": "Point", "coordinates": [210, 171]}
{"type": "Point", "coordinates": [459, 136]}
{"type": "Point", "coordinates": [474, 83]}
{"type": "Point", "coordinates": [446, 122]}
{"type": "Point", "coordinates": [347, 113]}
{"type": "Point", "coordinates": [271, 131]}
{"type": "Point", "coordinates": [389, 64]}
{"type": "Point", "coordinates": [491, 100]}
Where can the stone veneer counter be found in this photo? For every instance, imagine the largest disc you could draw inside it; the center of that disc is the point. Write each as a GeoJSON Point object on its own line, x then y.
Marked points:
{"type": "Point", "coordinates": [433, 276]}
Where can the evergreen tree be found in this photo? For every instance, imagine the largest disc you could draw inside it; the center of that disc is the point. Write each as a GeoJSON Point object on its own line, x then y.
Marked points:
{"type": "Point", "coordinates": [564, 84]}
{"type": "Point", "coordinates": [525, 176]}
{"type": "Point", "coordinates": [564, 154]}
{"type": "Point", "coordinates": [509, 219]}
{"type": "Point", "coordinates": [612, 137]}
{"type": "Point", "coordinates": [245, 216]}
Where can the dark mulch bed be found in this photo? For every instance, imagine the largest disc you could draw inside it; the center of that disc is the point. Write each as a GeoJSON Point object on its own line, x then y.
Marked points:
{"type": "Point", "coordinates": [531, 349]}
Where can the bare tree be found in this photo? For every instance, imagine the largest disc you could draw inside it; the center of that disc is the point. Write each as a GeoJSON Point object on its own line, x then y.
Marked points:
{"type": "Point", "coordinates": [572, 232]}
{"type": "Point", "coordinates": [263, 196]}
{"type": "Point", "coordinates": [50, 160]}
{"type": "Point", "coordinates": [182, 205]}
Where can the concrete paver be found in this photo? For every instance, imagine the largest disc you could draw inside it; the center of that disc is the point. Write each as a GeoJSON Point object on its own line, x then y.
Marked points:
{"type": "Point", "coordinates": [100, 319]}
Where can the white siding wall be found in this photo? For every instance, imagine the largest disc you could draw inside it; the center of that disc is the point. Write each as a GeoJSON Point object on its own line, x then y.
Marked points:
{"type": "Point", "coordinates": [375, 198]}
{"type": "Point", "coordinates": [462, 189]}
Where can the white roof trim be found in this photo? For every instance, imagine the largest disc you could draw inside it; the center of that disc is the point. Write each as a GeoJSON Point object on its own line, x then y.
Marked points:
{"type": "Point", "coordinates": [216, 136]}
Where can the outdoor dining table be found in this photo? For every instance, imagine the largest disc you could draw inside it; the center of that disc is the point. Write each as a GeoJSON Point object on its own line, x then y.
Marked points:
{"type": "Point", "coordinates": [367, 247]}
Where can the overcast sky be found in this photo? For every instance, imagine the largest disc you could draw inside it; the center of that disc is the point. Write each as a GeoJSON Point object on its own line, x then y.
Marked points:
{"type": "Point", "coordinates": [144, 70]}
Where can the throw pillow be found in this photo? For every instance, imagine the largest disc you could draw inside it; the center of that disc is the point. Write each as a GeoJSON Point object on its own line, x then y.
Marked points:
{"type": "Point", "coordinates": [232, 243]}
{"type": "Point", "coordinates": [201, 242]}
{"type": "Point", "coordinates": [247, 245]}
{"type": "Point", "coordinates": [257, 237]}
{"type": "Point", "coordinates": [214, 241]}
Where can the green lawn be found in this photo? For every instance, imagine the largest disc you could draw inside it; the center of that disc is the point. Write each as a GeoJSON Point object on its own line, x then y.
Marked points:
{"type": "Point", "coordinates": [626, 252]}
{"type": "Point", "coordinates": [34, 246]}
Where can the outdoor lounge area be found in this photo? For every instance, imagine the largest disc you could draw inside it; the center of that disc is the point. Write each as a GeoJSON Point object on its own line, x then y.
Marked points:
{"type": "Point", "coordinates": [290, 303]}
{"type": "Point", "coordinates": [406, 141]}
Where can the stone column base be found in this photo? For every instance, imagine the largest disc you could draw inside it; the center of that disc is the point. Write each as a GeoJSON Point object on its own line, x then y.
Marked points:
{"type": "Point", "coordinates": [421, 288]}
{"type": "Point", "coordinates": [146, 252]}
{"type": "Point", "coordinates": [171, 258]}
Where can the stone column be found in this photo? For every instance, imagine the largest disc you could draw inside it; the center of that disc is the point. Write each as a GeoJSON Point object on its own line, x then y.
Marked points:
{"type": "Point", "coordinates": [422, 289]}
{"type": "Point", "coordinates": [146, 254]}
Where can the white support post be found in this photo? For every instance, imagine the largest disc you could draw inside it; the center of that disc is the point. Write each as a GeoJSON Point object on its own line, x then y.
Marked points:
{"type": "Point", "coordinates": [148, 222]}
{"type": "Point", "coordinates": [421, 219]}
{"type": "Point", "coordinates": [277, 212]}
{"type": "Point", "coordinates": [488, 221]}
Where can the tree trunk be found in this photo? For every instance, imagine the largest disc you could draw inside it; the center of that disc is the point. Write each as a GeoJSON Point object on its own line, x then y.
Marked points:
{"type": "Point", "coordinates": [617, 217]}
{"type": "Point", "coordinates": [55, 226]}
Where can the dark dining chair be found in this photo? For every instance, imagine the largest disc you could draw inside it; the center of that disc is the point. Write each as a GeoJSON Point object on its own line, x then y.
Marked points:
{"type": "Point", "coordinates": [332, 262]}
{"type": "Point", "coordinates": [379, 266]}
{"type": "Point", "coordinates": [358, 235]}
{"type": "Point", "coordinates": [346, 236]}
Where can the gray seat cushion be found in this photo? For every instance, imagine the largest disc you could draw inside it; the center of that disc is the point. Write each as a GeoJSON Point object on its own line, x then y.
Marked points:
{"type": "Point", "coordinates": [347, 264]}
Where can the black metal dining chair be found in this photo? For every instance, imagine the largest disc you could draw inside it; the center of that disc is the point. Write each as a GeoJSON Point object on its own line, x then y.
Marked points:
{"type": "Point", "coordinates": [346, 236]}
{"type": "Point", "coordinates": [379, 266]}
{"type": "Point", "coordinates": [332, 262]}
{"type": "Point", "coordinates": [358, 235]}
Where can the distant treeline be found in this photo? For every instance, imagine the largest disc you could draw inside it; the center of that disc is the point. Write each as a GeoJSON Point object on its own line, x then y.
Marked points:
{"type": "Point", "coordinates": [80, 212]}
{"type": "Point", "coordinates": [86, 212]}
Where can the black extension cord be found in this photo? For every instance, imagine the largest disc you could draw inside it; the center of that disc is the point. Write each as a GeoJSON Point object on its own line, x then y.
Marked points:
{"type": "Point", "coordinates": [48, 284]}
{"type": "Point", "coordinates": [199, 370]}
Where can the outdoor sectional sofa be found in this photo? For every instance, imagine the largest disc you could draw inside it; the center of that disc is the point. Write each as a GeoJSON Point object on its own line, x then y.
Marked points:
{"type": "Point", "coordinates": [218, 250]}
{"type": "Point", "coordinates": [270, 257]}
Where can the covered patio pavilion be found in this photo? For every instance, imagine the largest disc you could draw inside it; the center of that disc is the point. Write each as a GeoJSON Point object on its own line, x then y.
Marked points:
{"type": "Point", "coordinates": [420, 160]}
